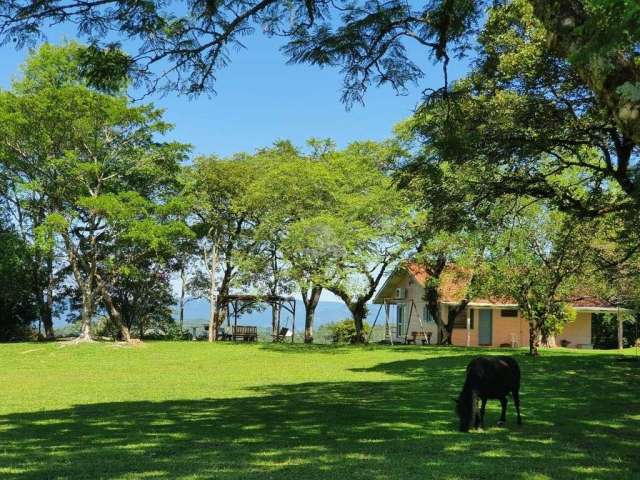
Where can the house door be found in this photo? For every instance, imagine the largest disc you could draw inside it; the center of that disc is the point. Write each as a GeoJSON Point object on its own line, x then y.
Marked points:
{"type": "Point", "coordinates": [485, 327]}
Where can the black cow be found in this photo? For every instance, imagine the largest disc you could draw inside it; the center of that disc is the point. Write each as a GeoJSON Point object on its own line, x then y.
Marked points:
{"type": "Point", "coordinates": [488, 378]}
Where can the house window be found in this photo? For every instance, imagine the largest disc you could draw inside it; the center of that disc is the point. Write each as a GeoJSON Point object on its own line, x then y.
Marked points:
{"type": "Point", "coordinates": [400, 321]}
{"type": "Point", "coordinates": [461, 319]}
{"type": "Point", "coordinates": [426, 315]}
{"type": "Point", "coordinates": [509, 313]}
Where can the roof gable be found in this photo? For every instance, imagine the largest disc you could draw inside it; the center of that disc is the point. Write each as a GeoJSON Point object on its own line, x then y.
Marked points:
{"type": "Point", "coordinates": [454, 281]}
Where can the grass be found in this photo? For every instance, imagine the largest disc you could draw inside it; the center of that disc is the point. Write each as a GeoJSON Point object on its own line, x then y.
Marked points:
{"type": "Point", "coordinates": [193, 410]}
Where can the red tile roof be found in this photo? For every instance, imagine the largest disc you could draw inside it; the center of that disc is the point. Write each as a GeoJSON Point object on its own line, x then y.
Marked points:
{"type": "Point", "coordinates": [454, 281]}
{"type": "Point", "coordinates": [590, 302]}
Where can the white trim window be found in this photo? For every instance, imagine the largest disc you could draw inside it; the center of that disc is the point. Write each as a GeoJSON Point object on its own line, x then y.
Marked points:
{"type": "Point", "coordinates": [426, 315]}
{"type": "Point", "coordinates": [401, 326]}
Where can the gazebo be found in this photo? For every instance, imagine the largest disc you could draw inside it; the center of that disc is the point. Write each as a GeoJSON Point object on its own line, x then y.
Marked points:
{"type": "Point", "coordinates": [236, 303]}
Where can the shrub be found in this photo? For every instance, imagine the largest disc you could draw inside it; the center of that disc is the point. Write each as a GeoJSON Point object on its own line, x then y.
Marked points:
{"type": "Point", "coordinates": [345, 331]}
{"type": "Point", "coordinates": [17, 332]}
{"type": "Point", "coordinates": [167, 331]}
{"type": "Point", "coordinates": [172, 331]}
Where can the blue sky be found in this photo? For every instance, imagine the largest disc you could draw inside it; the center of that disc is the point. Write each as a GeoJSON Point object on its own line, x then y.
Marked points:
{"type": "Point", "coordinates": [261, 99]}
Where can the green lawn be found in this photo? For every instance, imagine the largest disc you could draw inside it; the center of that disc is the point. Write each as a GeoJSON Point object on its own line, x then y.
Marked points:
{"type": "Point", "coordinates": [193, 410]}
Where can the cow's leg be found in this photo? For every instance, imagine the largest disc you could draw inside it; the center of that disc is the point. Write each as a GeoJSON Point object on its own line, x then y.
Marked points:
{"type": "Point", "coordinates": [516, 402]}
{"type": "Point", "coordinates": [503, 403]}
{"type": "Point", "coordinates": [484, 404]}
{"type": "Point", "coordinates": [476, 413]}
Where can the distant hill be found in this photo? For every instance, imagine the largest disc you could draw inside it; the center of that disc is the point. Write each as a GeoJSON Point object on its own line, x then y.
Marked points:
{"type": "Point", "coordinates": [197, 313]}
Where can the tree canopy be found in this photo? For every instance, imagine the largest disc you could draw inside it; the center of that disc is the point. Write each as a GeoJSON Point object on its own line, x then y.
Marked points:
{"type": "Point", "coordinates": [367, 40]}
{"type": "Point", "coordinates": [101, 179]}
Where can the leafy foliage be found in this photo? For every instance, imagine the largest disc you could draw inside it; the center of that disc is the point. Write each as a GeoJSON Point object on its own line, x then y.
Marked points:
{"type": "Point", "coordinates": [538, 262]}
{"type": "Point", "coordinates": [345, 331]}
{"type": "Point", "coordinates": [526, 120]}
{"type": "Point", "coordinates": [104, 180]}
{"type": "Point", "coordinates": [367, 38]}
{"type": "Point", "coordinates": [17, 303]}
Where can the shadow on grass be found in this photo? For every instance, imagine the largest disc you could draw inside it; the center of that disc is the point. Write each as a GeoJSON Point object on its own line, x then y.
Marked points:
{"type": "Point", "coordinates": [581, 420]}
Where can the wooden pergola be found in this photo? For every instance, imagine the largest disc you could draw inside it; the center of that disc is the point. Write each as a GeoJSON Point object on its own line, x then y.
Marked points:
{"type": "Point", "coordinates": [237, 303]}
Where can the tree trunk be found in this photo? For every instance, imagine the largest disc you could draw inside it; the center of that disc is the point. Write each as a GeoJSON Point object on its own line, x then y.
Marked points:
{"type": "Point", "coordinates": [310, 304]}
{"type": "Point", "coordinates": [447, 332]}
{"type": "Point", "coordinates": [47, 317]}
{"type": "Point", "coordinates": [124, 330]}
{"type": "Point", "coordinates": [86, 287]}
{"type": "Point", "coordinates": [533, 341]}
{"type": "Point", "coordinates": [359, 313]}
{"type": "Point", "coordinates": [218, 318]}
{"type": "Point", "coordinates": [213, 295]}
{"type": "Point", "coordinates": [182, 295]}
{"type": "Point", "coordinates": [221, 316]}
{"type": "Point", "coordinates": [85, 318]}
{"type": "Point", "coordinates": [308, 325]}
{"type": "Point", "coordinates": [451, 320]}
{"type": "Point", "coordinates": [114, 314]}
{"type": "Point", "coordinates": [444, 338]}
{"type": "Point", "coordinates": [85, 331]}
{"type": "Point", "coordinates": [431, 297]}
{"type": "Point", "coordinates": [358, 307]}
{"type": "Point", "coordinates": [274, 320]}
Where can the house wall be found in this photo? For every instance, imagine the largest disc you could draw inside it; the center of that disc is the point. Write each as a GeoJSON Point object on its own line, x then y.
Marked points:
{"type": "Point", "coordinates": [577, 332]}
{"type": "Point", "coordinates": [415, 292]}
{"type": "Point", "coordinates": [504, 330]}
{"type": "Point", "coordinates": [459, 335]}
{"type": "Point", "coordinates": [509, 329]}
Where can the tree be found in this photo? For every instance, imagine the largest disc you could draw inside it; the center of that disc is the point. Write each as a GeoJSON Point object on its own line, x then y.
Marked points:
{"type": "Point", "coordinates": [328, 219]}
{"type": "Point", "coordinates": [367, 38]}
{"type": "Point", "coordinates": [545, 122]}
{"type": "Point", "coordinates": [22, 153]}
{"type": "Point", "coordinates": [183, 263]}
{"type": "Point", "coordinates": [217, 191]}
{"type": "Point", "coordinates": [94, 159]}
{"type": "Point", "coordinates": [450, 257]}
{"type": "Point", "coordinates": [370, 221]}
{"type": "Point", "coordinates": [312, 246]}
{"type": "Point", "coordinates": [296, 194]}
{"type": "Point", "coordinates": [143, 297]}
{"type": "Point", "coordinates": [263, 266]}
{"type": "Point", "coordinates": [538, 262]}
{"type": "Point", "coordinates": [453, 222]}
{"type": "Point", "coordinates": [555, 88]}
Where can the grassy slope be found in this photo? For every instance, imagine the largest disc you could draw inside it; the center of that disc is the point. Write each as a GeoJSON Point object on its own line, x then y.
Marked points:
{"type": "Point", "coordinates": [193, 410]}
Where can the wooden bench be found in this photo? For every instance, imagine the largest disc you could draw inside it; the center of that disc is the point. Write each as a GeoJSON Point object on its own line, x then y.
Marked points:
{"type": "Point", "coordinates": [419, 336]}
{"type": "Point", "coordinates": [244, 332]}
